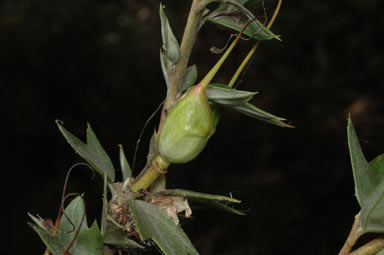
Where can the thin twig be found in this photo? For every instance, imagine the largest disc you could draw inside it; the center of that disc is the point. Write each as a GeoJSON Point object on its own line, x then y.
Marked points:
{"type": "Point", "coordinates": [370, 248]}
{"type": "Point", "coordinates": [352, 237]}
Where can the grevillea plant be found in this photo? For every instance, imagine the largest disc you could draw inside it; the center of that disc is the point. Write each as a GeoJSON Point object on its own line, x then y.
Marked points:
{"type": "Point", "coordinates": [139, 211]}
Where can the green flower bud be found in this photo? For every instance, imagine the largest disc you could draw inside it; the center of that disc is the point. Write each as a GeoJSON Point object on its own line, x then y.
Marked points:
{"type": "Point", "coordinates": [187, 128]}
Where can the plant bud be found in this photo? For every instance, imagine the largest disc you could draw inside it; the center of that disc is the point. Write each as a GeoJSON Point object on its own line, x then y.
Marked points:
{"type": "Point", "coordinates": [187, 128]}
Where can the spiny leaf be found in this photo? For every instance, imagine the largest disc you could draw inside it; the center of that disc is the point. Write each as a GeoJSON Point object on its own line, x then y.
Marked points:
{"type": "Point", "coordinates": [198, 195]}
{"type": "Point", "coordinates": [170, 44]}
{"type": "Point", "coordinates": [88, 241]}
{"type": "Point", "coordinates": [153, 223]}
{"type": "Point", "coordinates": [92, 151]}
{"type": "Point", "coordinates": [360, 167]}
{"type": "Point", "coordinates": [369, 184]}
{"type": "Point", "coordinates": [208, 199]}
{"type": "Point", "coordinates": [256, 113]}
{"type": "Point", "coordinates": [227, 16]}
{"type": "Point", "coordinates": [223, 95]}
{"type": "Point", "coordinates": [221, 206]}
{"type": "Point", "coordinates": [125, 168]}
{"type": "Point", "coordinates": [164, 68]}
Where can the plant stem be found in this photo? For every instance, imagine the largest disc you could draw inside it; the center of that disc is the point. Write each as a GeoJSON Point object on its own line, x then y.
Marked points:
{"type": "Point", "coordinates": [158, 167]}
{"type": "Point", "coordinates": [370, 248]}
{"type": "Point", "coordinates": [177, 75]}
{"type": "Point", "coordinates": [209, 76]}
{"type": "Point", "coordinates": [352, 237]}
{"type": "Point", "coordinates": [149, 174]}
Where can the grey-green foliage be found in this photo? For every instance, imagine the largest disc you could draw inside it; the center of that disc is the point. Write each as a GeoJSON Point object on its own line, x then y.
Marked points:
{"type": "Point", "coordinates": [153, 223]}
{"type": "Point", "coordinates": [125, 167]}
{"type": "Point", "coordinates": [91, 151]}
{"type": "Point", "coordinates": [229, 13]}
{"type": "Point", "coordinates": [369, 185]}
{"type": "Point", "coordinates": [170, 52]}
{"type": "Point", "coordinates": [88, 241]}
{"type": "Point", "coordinates": [189, 78]}
{"type": "Point", "coordinates": [217, 201]}
{"type": "Point", "coordinates": [238, 100]}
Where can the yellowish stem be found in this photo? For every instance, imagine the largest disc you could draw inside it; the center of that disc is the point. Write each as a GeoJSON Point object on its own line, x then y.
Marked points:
{"type": "Point", "coordinates": [208, 78]}
{"type": "Point", "coordinates": [252, 51]}
{"type": "Point", "coordinates": [370, 248]}
{"type": "Point", "coordinates": [352, 237]}
{"type": "Point", "coordinates": [158, 167]}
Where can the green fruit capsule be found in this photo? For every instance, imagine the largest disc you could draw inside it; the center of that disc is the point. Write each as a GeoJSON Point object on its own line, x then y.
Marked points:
{"type": "Point", "coordinates": [187, 128]}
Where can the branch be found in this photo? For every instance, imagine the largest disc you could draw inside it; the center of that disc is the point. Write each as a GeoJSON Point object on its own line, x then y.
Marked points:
{"type": "Point", "coordinates": [352, 237]}
{"type": "Point", "coordinates": [370, 248]}
{"type": "Point", "coordinates": [189, 38]}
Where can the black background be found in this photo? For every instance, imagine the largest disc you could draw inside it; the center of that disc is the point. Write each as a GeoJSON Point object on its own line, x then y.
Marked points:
{"type": "Point", "coordinates": [98, 62]}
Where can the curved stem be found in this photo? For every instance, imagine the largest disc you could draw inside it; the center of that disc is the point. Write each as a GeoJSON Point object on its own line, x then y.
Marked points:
{"type": "Point", "coordinates": [252, 51]}
{"type": "Point", "coordinates": [370, 248]}
{"type": "Point", "coordinates": [352, 237]}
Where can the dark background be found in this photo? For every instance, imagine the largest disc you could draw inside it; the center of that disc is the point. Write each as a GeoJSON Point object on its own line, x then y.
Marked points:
{"type": "Point", "coordinates": [98, 62]}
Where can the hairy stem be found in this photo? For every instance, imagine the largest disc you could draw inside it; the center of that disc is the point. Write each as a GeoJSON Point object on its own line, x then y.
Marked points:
{"type": "Point", "coordinates": [352, 237]}
{"type": "Point", "coordinates": [370, 248]}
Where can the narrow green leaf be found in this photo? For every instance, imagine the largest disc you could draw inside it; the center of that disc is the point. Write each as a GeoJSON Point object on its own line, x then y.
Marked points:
{"type": "Point", "coordinates": [164, 68]}
{"type": "Point", "coordinates": [221, 206]}
{"type": "Point", "coordinates": [170, 44]}
{"type": "Point", "coordinates": [39, 222]}
{"type": "Point", "coordinates": [360, 167]}
{"type": "Point", "coordinates": [153, 223]}
{"type": "Point", "coordinates": [198, 195]}
{"type": "Point", "coordinates": [255, 30]}
{"type": "Point", "coordinates": [125, 168]}
{"type": "Point", "coordinates": [208, 199]}
{"type": "Point", "coordinates": [256, 113]}
{"type": "Point", "coordinates": [89, 240]}
{"type": "Point", "coordinates": [227, 16]}
{"type": "Point", "coordinates": [190, 78]}
{"type": "Point", "coordinates": [223, 95]}
{"type": "Point", "coordinates": [92, 151]}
